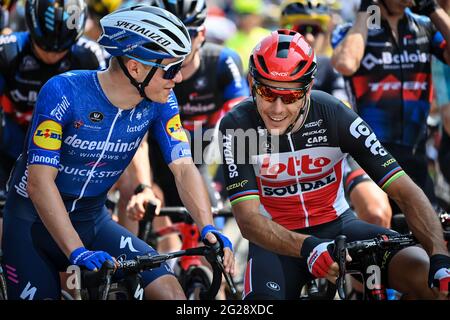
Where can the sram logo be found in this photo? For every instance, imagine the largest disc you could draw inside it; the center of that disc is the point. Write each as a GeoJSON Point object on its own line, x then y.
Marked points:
{"type": "Point", "coordinates": [295, 165]}
{"type": "Point", "coordinates": [358, 129]}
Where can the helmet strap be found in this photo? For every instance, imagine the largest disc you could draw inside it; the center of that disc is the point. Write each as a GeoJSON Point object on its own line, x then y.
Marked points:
{"type": "Point", "coordinates": [300, 112]}
{"type": "Point", "coordinates": [140, 86]}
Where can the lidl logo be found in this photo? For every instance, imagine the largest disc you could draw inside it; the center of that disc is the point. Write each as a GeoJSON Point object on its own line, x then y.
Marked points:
{"type": "Point", "coordinates": [48, 135]}
{"type": "Point", "coordinates": [175, 129]}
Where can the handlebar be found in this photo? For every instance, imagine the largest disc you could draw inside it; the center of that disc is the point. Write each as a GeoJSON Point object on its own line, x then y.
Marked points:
{"type": "Point", "coordinates": [365, 247]}
{"type": "Point", "coordinates": [177, 214]}
{"type": "Point", "coordinates": [98, 283]}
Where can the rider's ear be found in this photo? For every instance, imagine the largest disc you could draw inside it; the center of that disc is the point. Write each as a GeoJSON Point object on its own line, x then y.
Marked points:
{"type": "Point", "coordinates": [134, 68]}
{"type": "Point", "coordinates": [250, 80]}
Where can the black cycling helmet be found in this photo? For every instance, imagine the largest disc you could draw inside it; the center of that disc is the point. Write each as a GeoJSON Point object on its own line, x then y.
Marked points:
{"type": "Point", "coordinates": [55, 25]}
{"type": "Point", "coordinates": [191, 12]}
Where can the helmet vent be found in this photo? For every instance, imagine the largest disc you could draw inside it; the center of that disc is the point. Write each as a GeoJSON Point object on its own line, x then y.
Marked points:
{"type": "Point", "coordinates": [299, 67]}
{"type": "Point", "coordinates": [262, 63]}
{"type": "Point", "coordinates": [173, 37]}
{"type": "Point", "coordinates": [283, 49]}
{"type": "Point", "coordinates": [152, 23]}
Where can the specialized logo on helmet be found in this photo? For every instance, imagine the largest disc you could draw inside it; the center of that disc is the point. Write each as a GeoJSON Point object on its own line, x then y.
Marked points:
{"type": "Point", "coordinates": [145, 32]}
{"type": "Point", "coordinates": [48, 135]}
{"type": "Point", "coordinates": [175, 129]}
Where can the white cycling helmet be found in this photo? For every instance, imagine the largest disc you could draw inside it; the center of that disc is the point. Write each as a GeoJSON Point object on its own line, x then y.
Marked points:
{"type": "Point", "coordinates": [144, 32]}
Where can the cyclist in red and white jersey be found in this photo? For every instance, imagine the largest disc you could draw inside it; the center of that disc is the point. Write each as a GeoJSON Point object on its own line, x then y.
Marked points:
{"type": "Point", "coordinates": [283, 152]}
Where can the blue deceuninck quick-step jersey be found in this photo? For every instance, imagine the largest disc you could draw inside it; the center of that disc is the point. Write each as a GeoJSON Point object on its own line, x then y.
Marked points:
{"type": "Point", "coordinates": [76, 129]}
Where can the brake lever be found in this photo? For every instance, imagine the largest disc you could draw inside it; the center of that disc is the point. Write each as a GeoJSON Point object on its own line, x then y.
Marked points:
{"type": "Point", "coordinates": [340, 257]}
{"type": "Point", "coordinates": [217, 258]}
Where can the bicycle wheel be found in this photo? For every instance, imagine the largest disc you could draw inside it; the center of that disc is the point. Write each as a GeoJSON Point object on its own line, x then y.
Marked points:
{"type": "Point", "coordinates": [197, 279]}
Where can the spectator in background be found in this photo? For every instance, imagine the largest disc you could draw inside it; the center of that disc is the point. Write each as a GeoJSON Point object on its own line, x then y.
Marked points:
{"type": "Point", "coordinates": [250, 30]}
{"type": "Point", "coordinates": [97, 9]}
{"type": "Point", "coordinates": [441, 80]}
{"type": "Point", "coordinates": [313, 19]}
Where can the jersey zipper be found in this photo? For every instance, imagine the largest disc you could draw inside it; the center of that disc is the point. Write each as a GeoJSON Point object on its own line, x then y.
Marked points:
{"type": "Point", "coordinates": [91, 172]}
{"type": "Point", "coordinates": [291, 145]}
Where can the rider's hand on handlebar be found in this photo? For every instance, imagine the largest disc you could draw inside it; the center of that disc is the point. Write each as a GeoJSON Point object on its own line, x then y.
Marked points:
{"type": "Point", "coordinates": [319, 258]}
{"type": "Point", "coordinates": [136, 205]}
{"type": "Point", "coordinates": [210, 235]}
{"type": "Point", "coordinates": [91, 260]}
{"type": "Point", "coordinates": [439, 276]}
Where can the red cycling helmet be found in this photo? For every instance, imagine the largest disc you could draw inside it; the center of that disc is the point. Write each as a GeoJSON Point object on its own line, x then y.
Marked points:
{"type": "Point", "coordinates": [283, 56]}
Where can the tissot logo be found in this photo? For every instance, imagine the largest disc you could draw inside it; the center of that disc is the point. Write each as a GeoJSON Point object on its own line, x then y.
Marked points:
{"type": "Point", "coordinates": [96, 116]}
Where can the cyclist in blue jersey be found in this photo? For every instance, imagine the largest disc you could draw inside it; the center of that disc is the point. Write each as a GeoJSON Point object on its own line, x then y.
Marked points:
{"type": "Point", "coordinates": [86, 128]}
{"type": "Point", "coordinates": [28, 59]}
{"type": "Point", "coordinates": [213, 82]}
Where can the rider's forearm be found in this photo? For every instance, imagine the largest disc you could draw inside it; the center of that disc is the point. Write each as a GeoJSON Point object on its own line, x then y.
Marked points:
{"type": "Point", "coordinates": [442, 22]}
{"type": "Point", "coordinates": [268, 234]}
{"type": "Point", "coordinates": [192, 191]}
{"type": "Point", "coordinates": [347, 55]}
{"type": "Point", "coordinates": [46, 199]}
{"type": "Point", "coordinates": [420, 216]}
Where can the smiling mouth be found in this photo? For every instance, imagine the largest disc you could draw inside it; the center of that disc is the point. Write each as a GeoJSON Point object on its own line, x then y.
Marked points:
{"type": "Point", "coordinates": [277, 119]}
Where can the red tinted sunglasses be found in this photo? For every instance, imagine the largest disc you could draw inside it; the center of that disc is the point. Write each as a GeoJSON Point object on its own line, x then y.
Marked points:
{"type": "Point", "coordinates": [287, 95]}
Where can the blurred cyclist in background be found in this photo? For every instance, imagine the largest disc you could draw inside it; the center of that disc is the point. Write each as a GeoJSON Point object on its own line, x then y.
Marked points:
{"type": "Point", "coordinates": [52, 45]}
{"type": "Point", "coordinates": [250, 30]}
{"type": "Point", "coordinates": [97, 9]}
{"type": "Point", "coordinates": [313, 19]}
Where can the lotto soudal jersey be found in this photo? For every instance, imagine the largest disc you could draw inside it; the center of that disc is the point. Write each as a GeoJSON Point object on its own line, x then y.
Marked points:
{"type": "Point", "coordinates": [90, 141]}
{"type": "Point", "coordinates": [392, 87]}
{"type": "Point", "coordinates": [297, 177]}
{"type": "Point", "coordinates": [22, 74]}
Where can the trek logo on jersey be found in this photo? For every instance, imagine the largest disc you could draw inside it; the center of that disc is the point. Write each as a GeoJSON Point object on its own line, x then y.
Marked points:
{"type": "Point", "coordinates": [358, 129]}
{"type": "Point", "coordinates": [397, 85]}
{"type": "Point", "coordinates": [175, 129]}
{"type": "Point", "coordinates": [293, 189]}
{"type": "Point", "coordinates": [48, 135]}
{"type": "Point", "coordinates": [294, 166]}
